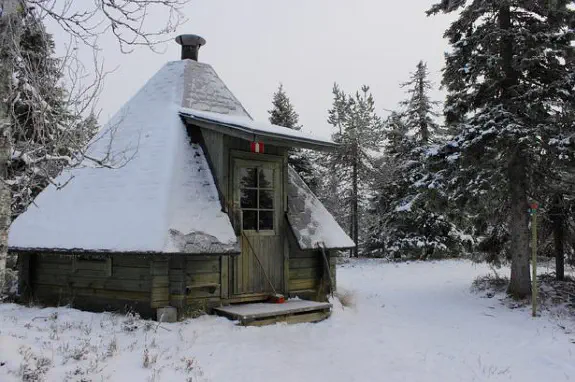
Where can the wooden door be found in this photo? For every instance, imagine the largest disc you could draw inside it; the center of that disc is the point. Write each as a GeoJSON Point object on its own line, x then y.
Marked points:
{"type": "Point", "coordinates": [258, 204]}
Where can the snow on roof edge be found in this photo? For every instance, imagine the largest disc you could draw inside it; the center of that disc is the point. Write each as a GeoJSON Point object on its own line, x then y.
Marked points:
{"type": "Point", "coordinates": [59, 251]}
{"type": "Point", "coordinates": [310, 221]}
{"type": "Point", "coordinates": [254, 127]}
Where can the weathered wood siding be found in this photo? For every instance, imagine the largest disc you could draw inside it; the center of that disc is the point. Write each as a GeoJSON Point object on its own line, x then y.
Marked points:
{"type": "Point", "coordinates": [101, 282]}
{"type": "Point", "coordinates": [308, 277]}
{"type": "Point", "coordinates": [159, 271]}
{"type": "Point", "coordinates": [195, 282]}
{"type": "Point", "coordinates": [247, 272]}
{"type": "Point", "coordinates": [305, 269]}
{"type": "Point", "coordinates": [214, 145]}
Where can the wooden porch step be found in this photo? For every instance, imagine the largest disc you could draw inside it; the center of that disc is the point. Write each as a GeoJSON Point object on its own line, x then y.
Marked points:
{"type": "Point", "coordinates": [291, 312]}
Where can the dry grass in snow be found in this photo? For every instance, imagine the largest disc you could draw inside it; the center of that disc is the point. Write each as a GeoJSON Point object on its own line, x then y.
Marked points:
{"type": "Point", "coordinates": [401, 322]}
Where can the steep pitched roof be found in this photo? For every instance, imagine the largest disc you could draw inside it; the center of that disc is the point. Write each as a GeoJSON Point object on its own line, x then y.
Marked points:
{"type": "Point", "coordinates": [162, 196]}
{"type": "Point", "coordinates": [311, 222]}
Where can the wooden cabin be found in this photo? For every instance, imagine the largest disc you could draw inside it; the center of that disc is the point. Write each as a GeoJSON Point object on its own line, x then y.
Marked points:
{"type": "Point", "coordinates": [198, 210]}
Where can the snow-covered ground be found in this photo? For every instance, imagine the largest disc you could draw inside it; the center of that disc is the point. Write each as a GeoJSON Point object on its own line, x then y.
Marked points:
{"type": "Point", "coordinates": [409, 322]}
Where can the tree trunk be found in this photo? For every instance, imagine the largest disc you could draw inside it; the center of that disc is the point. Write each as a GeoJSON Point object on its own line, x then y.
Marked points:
{"type": "Point", "coordinates": [520, 282]}
{"type": "Point", "coordinates": [558, 221]}
{"type": "Point", "coordinates": [10, 26]}
{"type": "Point", "coordinates": [355, 217]}
{"type": "Point", "coordinates": [422, 121]}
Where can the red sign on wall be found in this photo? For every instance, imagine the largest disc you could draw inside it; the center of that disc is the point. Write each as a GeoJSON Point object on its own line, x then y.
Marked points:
{"type": "Point", "coordinates": [257, 147]}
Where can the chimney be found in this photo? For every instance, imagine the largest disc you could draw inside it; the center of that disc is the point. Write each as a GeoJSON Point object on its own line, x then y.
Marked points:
{"type": "Point", "coordinates": [191, 44]}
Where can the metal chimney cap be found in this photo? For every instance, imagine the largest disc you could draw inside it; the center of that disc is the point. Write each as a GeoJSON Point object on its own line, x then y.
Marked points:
{"type": "Point", "coordinates": [190, 40]}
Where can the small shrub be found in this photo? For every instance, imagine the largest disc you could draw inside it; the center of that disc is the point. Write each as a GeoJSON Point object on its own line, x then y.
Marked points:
{"type": "Point", "coordinates": [146, 360]}
{"type": "Point", "coordinates": [112, 347]}
{"type": "Point", "coordinates": [130, 323]}
{"type": "Point", "coordinates": [33, 367]}
{"type": "Point", "coordinates": [149, 359]}
{"type": "Point", "coordinates": [491, 283]}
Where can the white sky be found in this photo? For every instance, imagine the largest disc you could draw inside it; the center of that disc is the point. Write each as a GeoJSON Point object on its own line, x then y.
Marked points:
{"type": "Point", "coordinates": [305, 44]}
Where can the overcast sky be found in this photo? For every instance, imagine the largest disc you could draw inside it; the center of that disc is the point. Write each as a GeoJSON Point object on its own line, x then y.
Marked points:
{"type": "Point", "coordinates": [305, 44]}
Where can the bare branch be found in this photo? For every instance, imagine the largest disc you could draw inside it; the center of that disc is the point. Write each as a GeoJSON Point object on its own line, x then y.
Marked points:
{"type": "Point", "coordinates": [127, 20]}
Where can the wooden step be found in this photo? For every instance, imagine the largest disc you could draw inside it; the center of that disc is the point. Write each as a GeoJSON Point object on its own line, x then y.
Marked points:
{"type": "Point", "coordinates": [291, 312]}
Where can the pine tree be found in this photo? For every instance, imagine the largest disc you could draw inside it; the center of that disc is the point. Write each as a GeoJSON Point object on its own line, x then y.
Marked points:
{"type": "Point", "coordinates": [283, 114]}
{"type": "Point", "coordinates": [359, 133]}
{"type": "Point", "coordinates": [507, 84]}
{"type": "Point", "coordinates": [332, 172]}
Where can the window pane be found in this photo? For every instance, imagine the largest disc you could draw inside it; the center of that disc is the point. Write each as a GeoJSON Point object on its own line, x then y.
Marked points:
{"type": "Point", "coordinates": [249, 199]}
{"type": "Point", "coordinates": [266, 178]}
{"type": "Point", "coordinates": [266, 220]}
{"type": "Point", "coordinates": [248, 177]}
{"type": "Point", "coordinates": [266, 199]}
{"type": "Point", "coordinates": [250, 220]}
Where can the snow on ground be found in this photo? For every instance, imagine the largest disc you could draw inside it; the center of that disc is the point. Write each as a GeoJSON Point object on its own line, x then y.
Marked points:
{"type": "Point", "coordinates": [409, 322]}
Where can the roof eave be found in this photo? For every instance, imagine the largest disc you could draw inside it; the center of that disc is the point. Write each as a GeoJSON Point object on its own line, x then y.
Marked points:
{"type": "Point", "coordinates": [251, 135]}
{"type": "Point", "coordinates": [72, 251]}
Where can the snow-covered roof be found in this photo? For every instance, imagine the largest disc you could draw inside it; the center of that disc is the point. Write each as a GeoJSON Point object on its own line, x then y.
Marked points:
{"type": "Point", "coordinates": [245, 127]}
{"type": "Point", "coordinates": [161, 197]}
{"type": "Point", "coordinates": [311, 222]}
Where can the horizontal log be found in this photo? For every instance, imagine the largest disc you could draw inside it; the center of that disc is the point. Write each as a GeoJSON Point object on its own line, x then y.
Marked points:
{"type": "Point", "coordinates": [305, 273]}
{"type": "Point", "coordinates": [206, 266]}
{"type": "Point", "coordinates": [129, 273]}
{"type": "Point", "coordinates": [160, 280]}
{"type": "Point", "coordinates": [77, 281]}
{"type": "Point", "coordinates": [304, 262]}
{"type": "Point", "coordinates": [160, 297]}
{"type": "Point", "coordinates": [89, 292]}
{"type": "Point", "coordinates": [91, 265]}
{"type": "Point", "coordinates": [159, 268]}
{"type": "Point", "coordinates": [203, 278]}
{"type": "Point", "coordinates": [56, 268]}
{"type": "Point", "coordinates": [295, 285]}
{"type": "Point", "coordinates": [297, 253]}
{"type": "Point", "coordinates": [53, 259]}
{"type": "Point", "coordinates": [132, 261]}
{"type": "Point", "coordinates": [203, 293]}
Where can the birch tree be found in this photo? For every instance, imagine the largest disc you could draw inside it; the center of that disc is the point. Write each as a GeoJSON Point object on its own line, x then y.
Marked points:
{"type": "Point", "coordinates": [10, 29]}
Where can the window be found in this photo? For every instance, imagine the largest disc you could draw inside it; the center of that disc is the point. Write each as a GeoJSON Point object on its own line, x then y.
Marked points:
{"type": "Point", "coordinates": [257, 198]}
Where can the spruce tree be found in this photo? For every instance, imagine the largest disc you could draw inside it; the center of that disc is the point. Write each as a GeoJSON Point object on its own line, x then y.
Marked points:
{"type": "Point", "coordinates": [507, 83]}
{"type": "Point", "coordinates": [283, 114]}
{"type": "Point", "coordinates": [412, 218]}
{"type": "Point", "coordinates": [420, 114]}
{"type": "Point", "coordinates": [46, 132]}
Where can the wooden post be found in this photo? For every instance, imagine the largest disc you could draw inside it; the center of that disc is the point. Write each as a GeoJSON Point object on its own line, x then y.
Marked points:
{"type": "Point", "coordinates": [533, 211]}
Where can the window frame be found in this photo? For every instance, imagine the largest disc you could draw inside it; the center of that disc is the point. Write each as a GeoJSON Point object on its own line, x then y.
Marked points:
{"type": "Point", "coordinates": [274, 163]}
